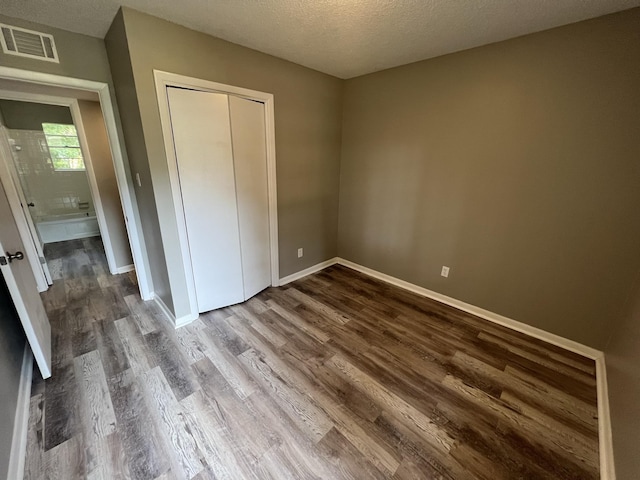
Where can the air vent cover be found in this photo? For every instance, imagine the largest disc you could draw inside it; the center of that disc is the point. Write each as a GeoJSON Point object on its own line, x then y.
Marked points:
{"type": "Point", "coordinates": [28, 43]}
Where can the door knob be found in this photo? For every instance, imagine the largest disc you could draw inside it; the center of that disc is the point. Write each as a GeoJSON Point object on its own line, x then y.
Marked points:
{"type": "Point", "coordinates": [14, 256]}
{"type": "Point", "coordinates": [31, 204]}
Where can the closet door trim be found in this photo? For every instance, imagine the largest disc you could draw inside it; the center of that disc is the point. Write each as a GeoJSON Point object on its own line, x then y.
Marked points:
{"type": "Point", "coordinates": [163, 80]}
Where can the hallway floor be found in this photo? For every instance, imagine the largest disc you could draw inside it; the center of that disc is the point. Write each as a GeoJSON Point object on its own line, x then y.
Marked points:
{"type": "Point", "coordinates": [333, 376]}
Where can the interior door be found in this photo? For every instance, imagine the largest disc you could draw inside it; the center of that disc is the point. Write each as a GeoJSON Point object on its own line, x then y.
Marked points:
{"type": "Point", "coordinates": [22, 215]}
{"type": "Point", "coordinates": [23, 289]}
{"type": "Point", "coordinates": [250, 161]}
{"type": "Point", "coordinates": [202, 140]}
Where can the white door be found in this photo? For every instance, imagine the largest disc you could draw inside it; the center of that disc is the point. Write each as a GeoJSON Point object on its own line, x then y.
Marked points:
{"type": "Point", "coordinates": [202, 139]}
{"type": "Point", "coordinates": [22, 215]}
{"type": "Point", "coordinates": [22, 286]}
{"type": "Point", "coordinates": [250, 159]}
{"type": "Point", "coordinates": [220, 147]}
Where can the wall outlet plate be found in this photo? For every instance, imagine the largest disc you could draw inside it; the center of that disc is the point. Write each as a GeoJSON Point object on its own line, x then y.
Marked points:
{"type": "Point", "coordinates": [445, 271]}
{"type": "Point", "coordinates": [300, 252]}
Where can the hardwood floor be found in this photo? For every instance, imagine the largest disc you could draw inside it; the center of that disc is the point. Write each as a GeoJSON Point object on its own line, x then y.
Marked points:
{"type": "Point", "coordinates": [333, 376]}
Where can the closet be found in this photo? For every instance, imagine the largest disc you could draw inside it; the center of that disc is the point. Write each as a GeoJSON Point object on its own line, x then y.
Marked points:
{"type": "Point", "coordinates": [220, 150]}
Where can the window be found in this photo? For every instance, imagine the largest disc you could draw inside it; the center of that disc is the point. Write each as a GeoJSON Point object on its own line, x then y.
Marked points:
{"type": "Point", "coordinates": [64, 146]}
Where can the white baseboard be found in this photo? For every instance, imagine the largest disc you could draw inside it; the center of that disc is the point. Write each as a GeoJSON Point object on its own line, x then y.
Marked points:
{"type": "Point", "coordinates": [21, 422]}
{"type": "Point", "coordinates": [125, 269]}
{"type": "Point", "coordinates": [176, 322]}
{"type": "Point", "coordinates": [607, 467]}
{"type": "Point", "coordinates": [185, 320]}
{"type": "Point", "coordinates": [308, 271]}
{"type": "Point", "coordinates": [605, 438]}
{"type": "Point", "coordinates": [163, 308]}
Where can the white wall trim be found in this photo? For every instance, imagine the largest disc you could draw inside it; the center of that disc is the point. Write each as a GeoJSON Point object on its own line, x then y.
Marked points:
{"type": "Point", "coordinates": [175, 322]}
{"type": "Point", "coordinates": [605, 437]}
{"type": "Point", "coordinates": [308, 271]}
{"type": "Point", "coordinates": [164, 80]}
{"type": "Point", "coordinates": [125, 269]}
{"type": "Point", "coordinates": [123, 175]}
{"type": "Point", "coordinates": [21, 422]}
{"type": "Point", "coordinates": [185, 320]}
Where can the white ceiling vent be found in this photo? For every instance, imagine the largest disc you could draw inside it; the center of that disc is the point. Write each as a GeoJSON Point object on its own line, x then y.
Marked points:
{"type": "Point", "coordinates": [28, 43]}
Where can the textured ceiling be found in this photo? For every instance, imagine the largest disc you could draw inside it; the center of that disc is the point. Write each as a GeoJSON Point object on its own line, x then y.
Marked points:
{"type": "Point", "coordinates": [345, 38]}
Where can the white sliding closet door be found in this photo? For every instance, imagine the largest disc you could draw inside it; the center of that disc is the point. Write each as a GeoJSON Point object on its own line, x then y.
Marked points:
{"type": "Point", "coordinates": [250, 158]}
{"type": "Point", "coordinates": [202, 139]}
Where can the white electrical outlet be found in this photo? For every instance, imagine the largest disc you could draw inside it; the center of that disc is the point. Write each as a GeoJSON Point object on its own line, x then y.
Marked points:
{"type": "Point", "coordinates": [300, 252]}
{"type": "Point", "coordinates": [445, 271]}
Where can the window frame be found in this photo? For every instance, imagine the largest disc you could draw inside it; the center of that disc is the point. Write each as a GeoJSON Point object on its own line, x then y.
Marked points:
{"type": "Point", "coordinates": [49, 147]}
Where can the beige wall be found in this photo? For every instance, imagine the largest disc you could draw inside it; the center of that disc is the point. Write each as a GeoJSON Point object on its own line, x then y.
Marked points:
{"type": "Point", "coordinates": [102, 163]}
{"type": "Point", "coordinates": [515, 164]}
{"type": "Point", "coordinates": [623, 376]}
{"type": "Point", "coordinates": [308, 129]}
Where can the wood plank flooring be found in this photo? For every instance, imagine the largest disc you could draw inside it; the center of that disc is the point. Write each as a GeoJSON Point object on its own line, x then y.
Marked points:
{"type": "Point", "coordinates": [335, 376]}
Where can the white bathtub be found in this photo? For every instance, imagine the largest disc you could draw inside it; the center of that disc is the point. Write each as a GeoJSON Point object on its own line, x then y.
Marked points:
{"type": "Point", "coordinates": [58, 228]}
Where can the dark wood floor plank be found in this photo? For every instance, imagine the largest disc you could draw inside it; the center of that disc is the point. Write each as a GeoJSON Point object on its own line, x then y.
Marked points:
{"type": "Point", "coordinates": [112, 352]}
{"type": "Point", "coordinates": [172, 362]}
{"type": "Point", "coordinates": [334, 376]}
{"type": "Point", "coordinates": [66, 460]}
{"type": "Point", "coordinates": [576, 414]}
{"type": "Point", "coordinates": [138, 353]}
{"type": "Point", "coordinates": [348, 459]}
{"type": "Point", "coordinates": [233, 417]}
{"type": "Point", "coordinates": [147, 456]}
{"type": "Point", "coordinates": [561, 441]}
{"type": "Point", "coordinates": [170, 419]}
{"type": "Point", "coordinates": [62, 419]}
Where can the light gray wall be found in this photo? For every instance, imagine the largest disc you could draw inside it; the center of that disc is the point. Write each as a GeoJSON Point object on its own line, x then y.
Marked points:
{"type": "Point", "coordinates": [12, 343]}
{"type": "Point", "coordinates": [31, 116]}
{"type": "Point", "coordinates": [308, 129]}
{"type": "Point", "coordinates": [120, 60]}
{"type": "Point", "coordinates": [623, 375]}
{"type": "Point", "coordinates": [515, 164]}
{"type": "Point", "coordinates": [82, 57]}
{"type": "Point", "coordinates": [102, 163]}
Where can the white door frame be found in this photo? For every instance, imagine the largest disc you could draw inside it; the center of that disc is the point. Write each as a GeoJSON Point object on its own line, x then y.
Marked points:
{"type": "Point", "coordinates": [72, 104]}
{"type": "Point", "coordinates": [123, 175]}
{"type": "Point", "coordinates": [166, 79]}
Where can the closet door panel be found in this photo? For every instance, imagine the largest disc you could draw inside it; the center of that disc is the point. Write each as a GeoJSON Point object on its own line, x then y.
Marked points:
{"type": "Point", "coordinates": [202, 138]}
{"type": "Point", "coordinates": [250, 159]}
